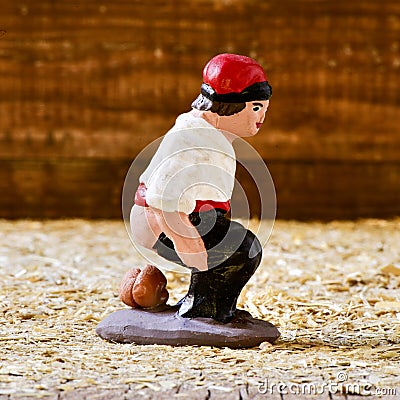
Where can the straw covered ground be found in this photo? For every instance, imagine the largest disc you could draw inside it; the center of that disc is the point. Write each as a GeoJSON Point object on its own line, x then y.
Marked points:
{"type": "Point", "coordinates": [331, 288]}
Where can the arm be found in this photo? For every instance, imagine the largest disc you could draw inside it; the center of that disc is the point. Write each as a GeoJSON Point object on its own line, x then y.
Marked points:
{"type": "Point", "coordinates": [187, 241]}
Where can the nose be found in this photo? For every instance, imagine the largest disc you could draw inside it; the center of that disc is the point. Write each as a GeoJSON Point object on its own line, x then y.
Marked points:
{"type": "Point", "coordinates": [262, 113]}
{"type": "Point", "coordinates": [265, 110]}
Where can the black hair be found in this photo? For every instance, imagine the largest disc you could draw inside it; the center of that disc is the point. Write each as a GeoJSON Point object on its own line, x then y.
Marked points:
{"type": "Point", "coordinates": [218, 107]}
{"type": "Point", "coordinates": [230, 103]}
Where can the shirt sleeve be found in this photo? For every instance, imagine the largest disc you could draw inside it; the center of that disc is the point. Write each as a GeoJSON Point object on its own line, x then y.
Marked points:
{"type": "Point", "coordinates": [166, 190]}
{"type": "Point", "coordinates": [185, 173]}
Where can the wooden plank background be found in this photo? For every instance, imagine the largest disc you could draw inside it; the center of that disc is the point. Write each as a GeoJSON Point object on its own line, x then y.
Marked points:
{"type": "Point", "coordinates": [85, 85]}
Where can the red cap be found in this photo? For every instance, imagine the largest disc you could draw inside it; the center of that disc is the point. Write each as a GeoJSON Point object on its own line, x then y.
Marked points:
{"type": "Point", "coordinates": [232, 73]}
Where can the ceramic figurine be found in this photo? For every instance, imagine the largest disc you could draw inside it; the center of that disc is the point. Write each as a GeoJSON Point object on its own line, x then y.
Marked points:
{"type": "Point", "coordinates": [181, 213]}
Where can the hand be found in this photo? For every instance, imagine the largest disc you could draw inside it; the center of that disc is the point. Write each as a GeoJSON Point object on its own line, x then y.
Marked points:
{"type": "Point", "coordinates": [187, 241]}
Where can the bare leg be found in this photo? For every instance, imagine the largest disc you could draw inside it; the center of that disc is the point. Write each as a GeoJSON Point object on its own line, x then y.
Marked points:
{"type": "Point", "coordinates": [144, 226]}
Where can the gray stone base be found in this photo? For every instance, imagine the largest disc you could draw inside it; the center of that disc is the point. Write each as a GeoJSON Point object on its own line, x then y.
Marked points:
{"type": "Point", "coordinates": [165, 326]}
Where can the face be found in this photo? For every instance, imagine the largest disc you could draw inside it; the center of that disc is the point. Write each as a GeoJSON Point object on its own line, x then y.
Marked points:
{"type": "Point", "coordinates": [248, 121]}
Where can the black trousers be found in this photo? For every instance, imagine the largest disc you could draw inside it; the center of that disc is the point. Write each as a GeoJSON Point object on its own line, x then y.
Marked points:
{"type": "Point", "coordinates": [234, 253]}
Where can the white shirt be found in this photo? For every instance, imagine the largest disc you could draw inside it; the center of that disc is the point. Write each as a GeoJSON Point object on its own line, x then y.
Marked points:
{"type": "Point", "coordinates": [194, 161]}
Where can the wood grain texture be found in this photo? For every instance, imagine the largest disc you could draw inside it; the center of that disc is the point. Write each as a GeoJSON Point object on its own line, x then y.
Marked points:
{"type": "Point", "coordinates": [92, 83]}
{"type": "Point", "coordinates": [92, 188]}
